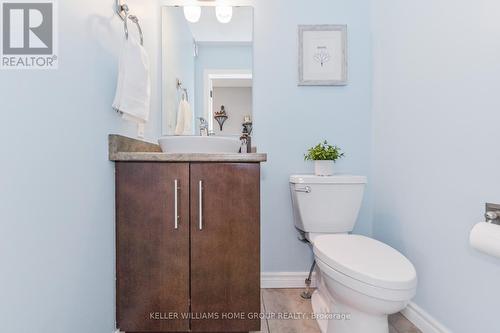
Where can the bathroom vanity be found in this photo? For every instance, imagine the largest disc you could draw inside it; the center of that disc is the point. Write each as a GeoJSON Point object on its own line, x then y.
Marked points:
{"type": "Point", "coordinates": [188, 224]}
{"type": "Point", "coordinates": [187, 240]}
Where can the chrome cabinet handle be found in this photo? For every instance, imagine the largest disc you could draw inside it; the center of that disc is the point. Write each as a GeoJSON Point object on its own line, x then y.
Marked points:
{"type": "Point", "coordinates": [200, 202]}
{"type": "Point", "coordinates": [176, 204]}
{"type": "Point", "coordinates": [306, 189]}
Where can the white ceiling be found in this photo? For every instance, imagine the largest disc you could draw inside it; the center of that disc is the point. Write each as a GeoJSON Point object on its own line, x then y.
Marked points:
{"type": "Point", "coordinates": [209, 30]}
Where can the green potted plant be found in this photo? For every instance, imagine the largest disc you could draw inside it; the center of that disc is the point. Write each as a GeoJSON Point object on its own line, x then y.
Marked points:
{"type": "Point", "coordinates": [324, 156]}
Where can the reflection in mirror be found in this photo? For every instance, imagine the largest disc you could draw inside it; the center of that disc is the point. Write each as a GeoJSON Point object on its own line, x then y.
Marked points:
{"type": "Point", "coordinates": [207, 71]}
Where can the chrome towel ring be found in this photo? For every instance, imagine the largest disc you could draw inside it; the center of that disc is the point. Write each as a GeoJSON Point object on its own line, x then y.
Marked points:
{"type": "Point", "coordinates": [123, 11]}
{"type": "Point", "coordinates": [134, 19]}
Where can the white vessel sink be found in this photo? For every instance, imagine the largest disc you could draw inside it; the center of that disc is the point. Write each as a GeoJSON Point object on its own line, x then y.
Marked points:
{"type": "Point", "coordinates": [199, 144]}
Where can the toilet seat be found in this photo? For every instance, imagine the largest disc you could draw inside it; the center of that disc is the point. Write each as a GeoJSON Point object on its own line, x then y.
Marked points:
{"type": "Point", "coordinates": [371, 264]}
{"type": "Point", "coordinates": [385, 294]}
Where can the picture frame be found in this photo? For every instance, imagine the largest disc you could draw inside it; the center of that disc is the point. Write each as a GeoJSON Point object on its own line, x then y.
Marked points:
{"type": "Point", "coordinates": [323, 55]}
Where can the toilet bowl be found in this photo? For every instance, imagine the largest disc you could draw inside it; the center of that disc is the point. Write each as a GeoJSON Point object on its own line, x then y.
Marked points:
{"type": "Point", "coordinates": [363, 281]}
{"type": "Point", "coordinates": [360, 280]}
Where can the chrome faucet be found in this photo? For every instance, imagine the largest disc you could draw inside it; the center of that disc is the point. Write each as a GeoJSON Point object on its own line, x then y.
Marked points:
{"type": "Point", "coordinates": [204, 131]}
{"type": "Point", "coordinates": [203, 126]}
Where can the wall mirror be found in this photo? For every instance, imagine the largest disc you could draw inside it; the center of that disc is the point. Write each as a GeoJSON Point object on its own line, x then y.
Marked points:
{"type": "Point", "coordinates": [207, 61]}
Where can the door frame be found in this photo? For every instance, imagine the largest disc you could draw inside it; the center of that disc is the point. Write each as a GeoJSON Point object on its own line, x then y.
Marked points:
{"type": "Point", "coordinates": [209, 76]}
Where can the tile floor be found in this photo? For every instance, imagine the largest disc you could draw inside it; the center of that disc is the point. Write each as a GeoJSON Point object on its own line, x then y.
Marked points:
{"type": "Point", "coordinates": [289, 301]}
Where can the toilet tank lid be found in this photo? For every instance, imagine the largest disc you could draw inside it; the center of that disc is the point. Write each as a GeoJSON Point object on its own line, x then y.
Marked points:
{"type": "Point", "coordinates": [335, 179]}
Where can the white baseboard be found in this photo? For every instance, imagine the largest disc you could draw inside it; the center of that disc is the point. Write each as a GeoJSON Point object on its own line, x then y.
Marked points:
{"type": "Point", "coordinates": [281, 280]}
{"type": "Point", "coordinates": [424, 321]}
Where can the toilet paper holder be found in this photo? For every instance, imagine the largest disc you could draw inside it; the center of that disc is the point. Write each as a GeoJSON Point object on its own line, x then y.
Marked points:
{"type": "Point", "coordinates": [492, 214]}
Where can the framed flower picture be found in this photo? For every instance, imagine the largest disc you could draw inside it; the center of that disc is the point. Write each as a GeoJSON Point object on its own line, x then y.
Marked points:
{"type": "Point", "coordinates": [322, 55]}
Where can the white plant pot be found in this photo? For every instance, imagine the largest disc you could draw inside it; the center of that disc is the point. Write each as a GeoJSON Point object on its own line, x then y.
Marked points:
{"type": "Point", "coordinates": [323, 168]}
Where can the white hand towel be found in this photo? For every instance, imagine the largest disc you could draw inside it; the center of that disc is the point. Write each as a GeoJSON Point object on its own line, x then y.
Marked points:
{"type": "Point", "coordinates": [133, 91]}
{"type": "Point", "coordinates": [184, 119]}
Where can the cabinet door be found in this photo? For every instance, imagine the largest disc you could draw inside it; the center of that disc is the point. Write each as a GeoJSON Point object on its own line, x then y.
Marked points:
{"type": "Point", "coordinates": [152, 264]}
{"type": "Point", "coordinates": [225, 247]}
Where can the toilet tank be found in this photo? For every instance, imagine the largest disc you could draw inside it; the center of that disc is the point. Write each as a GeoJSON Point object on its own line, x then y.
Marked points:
{"type": "Point", "coordinates": [326, 204]}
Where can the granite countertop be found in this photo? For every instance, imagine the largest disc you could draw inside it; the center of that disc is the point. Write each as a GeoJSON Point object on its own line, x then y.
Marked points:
{"type": "Point", "coordinates": [124, 149]}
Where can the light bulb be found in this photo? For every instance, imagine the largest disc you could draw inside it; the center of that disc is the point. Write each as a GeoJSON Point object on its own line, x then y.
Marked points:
{"type": "Point", "coordinates": [224, 13]}
{"type": "Point", "coordinates": [192, 13]}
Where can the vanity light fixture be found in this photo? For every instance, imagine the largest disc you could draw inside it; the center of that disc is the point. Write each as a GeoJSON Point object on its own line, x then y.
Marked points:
{"type": "Point", "coordinates": [192, 13]}
{"type": "Point", "coordinates": [224, 13]}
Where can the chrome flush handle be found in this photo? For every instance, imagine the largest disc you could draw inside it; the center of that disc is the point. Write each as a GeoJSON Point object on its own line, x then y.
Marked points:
{"type": "Point", "coordinates": [306, 189]}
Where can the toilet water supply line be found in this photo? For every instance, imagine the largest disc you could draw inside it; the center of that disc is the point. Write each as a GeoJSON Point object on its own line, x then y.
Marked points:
{"type": "Point", "coordinates": [308, 294]}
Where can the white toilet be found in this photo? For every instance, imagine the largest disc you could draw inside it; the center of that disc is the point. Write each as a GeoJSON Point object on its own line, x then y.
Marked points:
{"type": "Point", "coordinates": [360, 280]}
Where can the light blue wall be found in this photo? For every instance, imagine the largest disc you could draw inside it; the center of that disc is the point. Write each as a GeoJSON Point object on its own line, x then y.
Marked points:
{"type": "Point", "coordinates": [179, 61]}
{"type": "Point", "coordinates": [436, 157]}
{"type": "Point", "coordinates": [289, 119]}
{"type": "Point", "coordinates": [56, 183]}
{"type": "Point", "coordinates": [219, 57]}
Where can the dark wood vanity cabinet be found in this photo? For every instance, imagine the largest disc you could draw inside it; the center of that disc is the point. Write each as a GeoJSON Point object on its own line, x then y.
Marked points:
{"type": "Point", "coordinates": [199, 272]}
